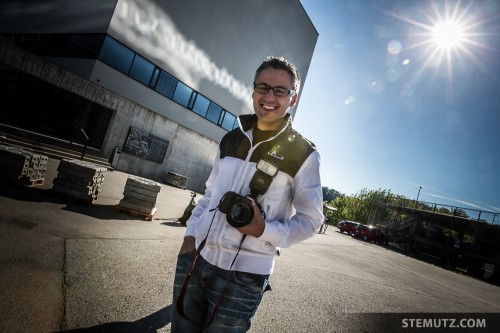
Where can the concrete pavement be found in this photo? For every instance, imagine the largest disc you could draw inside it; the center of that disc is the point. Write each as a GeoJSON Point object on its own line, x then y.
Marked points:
{"type": "Point", "coordinates": [73, 268]}
{"type": "Point", "coordinates": [65, 266]}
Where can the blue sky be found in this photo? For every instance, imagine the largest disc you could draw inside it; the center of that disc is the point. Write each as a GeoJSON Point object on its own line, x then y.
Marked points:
{"type": "Point", "coordinates": [391, 106]}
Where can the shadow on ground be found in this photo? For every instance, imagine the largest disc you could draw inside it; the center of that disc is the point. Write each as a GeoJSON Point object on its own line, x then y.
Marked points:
{"type": "Point", "coordinates": [22, 193]}
{"type": "Point", "coordinates": [149, 324]}
{"type": "Point", "coordinates": [72, 204]}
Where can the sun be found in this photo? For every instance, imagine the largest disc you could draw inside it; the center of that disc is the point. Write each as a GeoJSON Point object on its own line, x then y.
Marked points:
{"type": "Point", "coordinates": [445, 35]}
{"type": "Point", "coordinates": [448, 34]}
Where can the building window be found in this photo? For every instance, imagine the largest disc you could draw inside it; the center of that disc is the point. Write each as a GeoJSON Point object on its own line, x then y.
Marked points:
{"type": "Point", "coordinates": [154, 79]}
{"type": "Point", "coordinates": [182, 94]}
{"type": "Point", "coordinates": [166, 84]}
{"type": "Point", "coordinates": [141, 70]}
{"type": "Point", "coordinates": [201, 105]}
{"type": "Point", "coordinates": [228, 121]}
{"type": "Point", "coordinates": [116, 55]}
{"type": "Point", "coordinates": [43, 44]}
{"type": "Point", "coordinates": [123, 59]}
{"type": "Point", "coordinates": [214, 112]}
{"type": "Point", "coordinates": [84, 46]}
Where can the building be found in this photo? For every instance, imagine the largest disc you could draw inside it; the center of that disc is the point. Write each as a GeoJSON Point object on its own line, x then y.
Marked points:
{"type": "Point", "coordinates": [153, 85]}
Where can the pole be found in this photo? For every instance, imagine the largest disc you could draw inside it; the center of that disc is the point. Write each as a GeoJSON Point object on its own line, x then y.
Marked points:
{"type": "Point", "coordinates": [418, 195]}
{"type": "Point", "coordinates": [86, 143]}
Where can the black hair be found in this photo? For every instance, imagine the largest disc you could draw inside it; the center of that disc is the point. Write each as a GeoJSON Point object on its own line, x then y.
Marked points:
{"type": "Point", "coordinates": [281, 63]}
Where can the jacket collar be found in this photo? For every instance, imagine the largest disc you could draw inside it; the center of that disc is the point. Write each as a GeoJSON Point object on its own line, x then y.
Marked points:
{"type": "Point", "coordinates": [247, 122]}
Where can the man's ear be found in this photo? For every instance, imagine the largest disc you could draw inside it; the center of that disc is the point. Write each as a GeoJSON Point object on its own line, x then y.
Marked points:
{"type": "Point", "coordinates": [294, 100]}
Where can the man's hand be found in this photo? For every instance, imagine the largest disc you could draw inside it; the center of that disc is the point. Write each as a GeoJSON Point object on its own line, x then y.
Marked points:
{"type": "Point", "coordinates": [257, 226]}
{"type": "Point", "coordinates": [188, 245]}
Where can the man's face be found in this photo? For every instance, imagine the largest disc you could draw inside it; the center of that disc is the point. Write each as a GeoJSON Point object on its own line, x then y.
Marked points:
{"type": "Point", "coordinates": [269, 108]}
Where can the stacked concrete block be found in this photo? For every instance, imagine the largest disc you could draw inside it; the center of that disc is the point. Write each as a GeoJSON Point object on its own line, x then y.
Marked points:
{"type": "Point", "coordinates": [37, 166]}
{"type": "Point", "coordinates": [14, 164]}
{"type": "Point", "coordinates": [22, 165]}
{"type": "Point", "coordinates": [79, 179]}
{"type": "Point", "coordinates": [140, 195]}
{"type": "Point", "coordinates": [177, 180]}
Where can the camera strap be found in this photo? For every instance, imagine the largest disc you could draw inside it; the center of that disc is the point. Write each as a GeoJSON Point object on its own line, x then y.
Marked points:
{"type": "Point", "coordinates": [180, 299]}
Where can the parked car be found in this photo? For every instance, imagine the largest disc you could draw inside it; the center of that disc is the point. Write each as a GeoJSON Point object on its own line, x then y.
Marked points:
{"type": "Point", "coordinates": [347, 226]}
{"type": "Point", "coordinates": [370, 233]}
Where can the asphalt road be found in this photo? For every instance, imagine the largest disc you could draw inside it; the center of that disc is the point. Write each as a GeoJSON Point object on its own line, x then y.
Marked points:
{"type": "Point", "coordinates": [74, 268]}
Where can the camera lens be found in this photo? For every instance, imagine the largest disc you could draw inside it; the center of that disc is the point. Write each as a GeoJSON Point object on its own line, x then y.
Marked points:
{"type": "Point", "coordinates": [241, 212]}
{"type": "Point", "coordinates": [238, 209]}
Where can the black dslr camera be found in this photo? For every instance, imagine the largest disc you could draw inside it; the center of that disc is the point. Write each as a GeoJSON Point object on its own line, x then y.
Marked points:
{"type": "Point", "coordinates": [238, 208]}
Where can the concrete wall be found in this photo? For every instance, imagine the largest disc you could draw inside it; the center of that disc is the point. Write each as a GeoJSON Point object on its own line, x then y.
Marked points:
{"type": "Point", "coordinates": [189, 153]}
{"type": "Point", "coordinates": [119, 83]}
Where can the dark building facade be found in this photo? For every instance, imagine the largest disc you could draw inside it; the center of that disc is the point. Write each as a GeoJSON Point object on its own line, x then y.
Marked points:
{"type": "Point", "coordinates": [160, 81]}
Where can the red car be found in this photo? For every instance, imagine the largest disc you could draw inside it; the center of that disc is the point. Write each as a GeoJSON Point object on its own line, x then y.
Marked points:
{"type": "Point", "coordinates": [347, 226]}
{"type": "Point", "coordinates": [370, 233]}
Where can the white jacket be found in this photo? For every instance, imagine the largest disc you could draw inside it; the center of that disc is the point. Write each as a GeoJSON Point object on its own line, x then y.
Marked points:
{"type": "Point", "coordinates": [293, 203]}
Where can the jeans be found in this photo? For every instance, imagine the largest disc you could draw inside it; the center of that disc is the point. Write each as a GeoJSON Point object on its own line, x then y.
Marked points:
{"type": "Point", "coordinates": [232, 312]}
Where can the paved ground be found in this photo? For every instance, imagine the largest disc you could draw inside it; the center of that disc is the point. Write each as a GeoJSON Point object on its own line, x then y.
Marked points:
{"type": "Point", "coordinates": [74, 268]}
{"type": "Point", "coordinates": [65, 265]}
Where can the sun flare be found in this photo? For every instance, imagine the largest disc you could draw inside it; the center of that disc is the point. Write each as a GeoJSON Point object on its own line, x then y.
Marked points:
{"type": "Point", "coordinates": [446, 36]}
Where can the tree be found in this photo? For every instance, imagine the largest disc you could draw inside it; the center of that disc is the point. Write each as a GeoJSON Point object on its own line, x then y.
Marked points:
{"type": "Point", "coordinates": [329, 194]}
{"type": "Point", "coordinates": [460, 212]}
{"type": "Point", "coordinates": [365, 206]}
{"type": "Point", "coordinates": [353, 208]}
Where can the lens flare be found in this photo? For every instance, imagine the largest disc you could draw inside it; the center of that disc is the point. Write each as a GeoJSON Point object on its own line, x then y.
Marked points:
{"type": "Point", "coordinates": [447, 35]}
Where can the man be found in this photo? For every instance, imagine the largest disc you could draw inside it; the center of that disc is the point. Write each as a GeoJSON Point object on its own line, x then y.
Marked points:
{"type": "Point", "coordinates": [223, 269]}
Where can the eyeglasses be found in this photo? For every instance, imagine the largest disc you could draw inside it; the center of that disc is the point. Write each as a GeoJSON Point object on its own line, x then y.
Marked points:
{"type": "Point", "coordinates": [278, 91]}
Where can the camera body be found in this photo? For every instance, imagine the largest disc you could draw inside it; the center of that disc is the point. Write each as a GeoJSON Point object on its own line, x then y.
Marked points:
{"type": "Point", "coordinates": [238, 209]}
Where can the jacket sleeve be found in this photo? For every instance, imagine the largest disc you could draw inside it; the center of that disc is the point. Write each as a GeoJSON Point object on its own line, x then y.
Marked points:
{"type": "Point", "coordinates": [200, 210]}
{"type": "Point", "coordinates": [307, 202]}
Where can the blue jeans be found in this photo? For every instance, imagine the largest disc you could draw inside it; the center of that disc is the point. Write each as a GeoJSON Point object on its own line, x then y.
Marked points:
{"type": "Point", "coordinates": [231, 312]}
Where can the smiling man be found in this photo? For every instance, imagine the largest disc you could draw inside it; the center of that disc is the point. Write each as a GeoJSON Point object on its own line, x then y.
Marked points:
{"type": "Point", "coordinates": [275, 91]}
{"type": "Point", "coordinates": [264, 193]}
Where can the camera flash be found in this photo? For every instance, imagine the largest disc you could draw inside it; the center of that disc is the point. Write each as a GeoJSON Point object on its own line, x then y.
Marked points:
{"type": "Point", "coordinates": [267, 168]}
